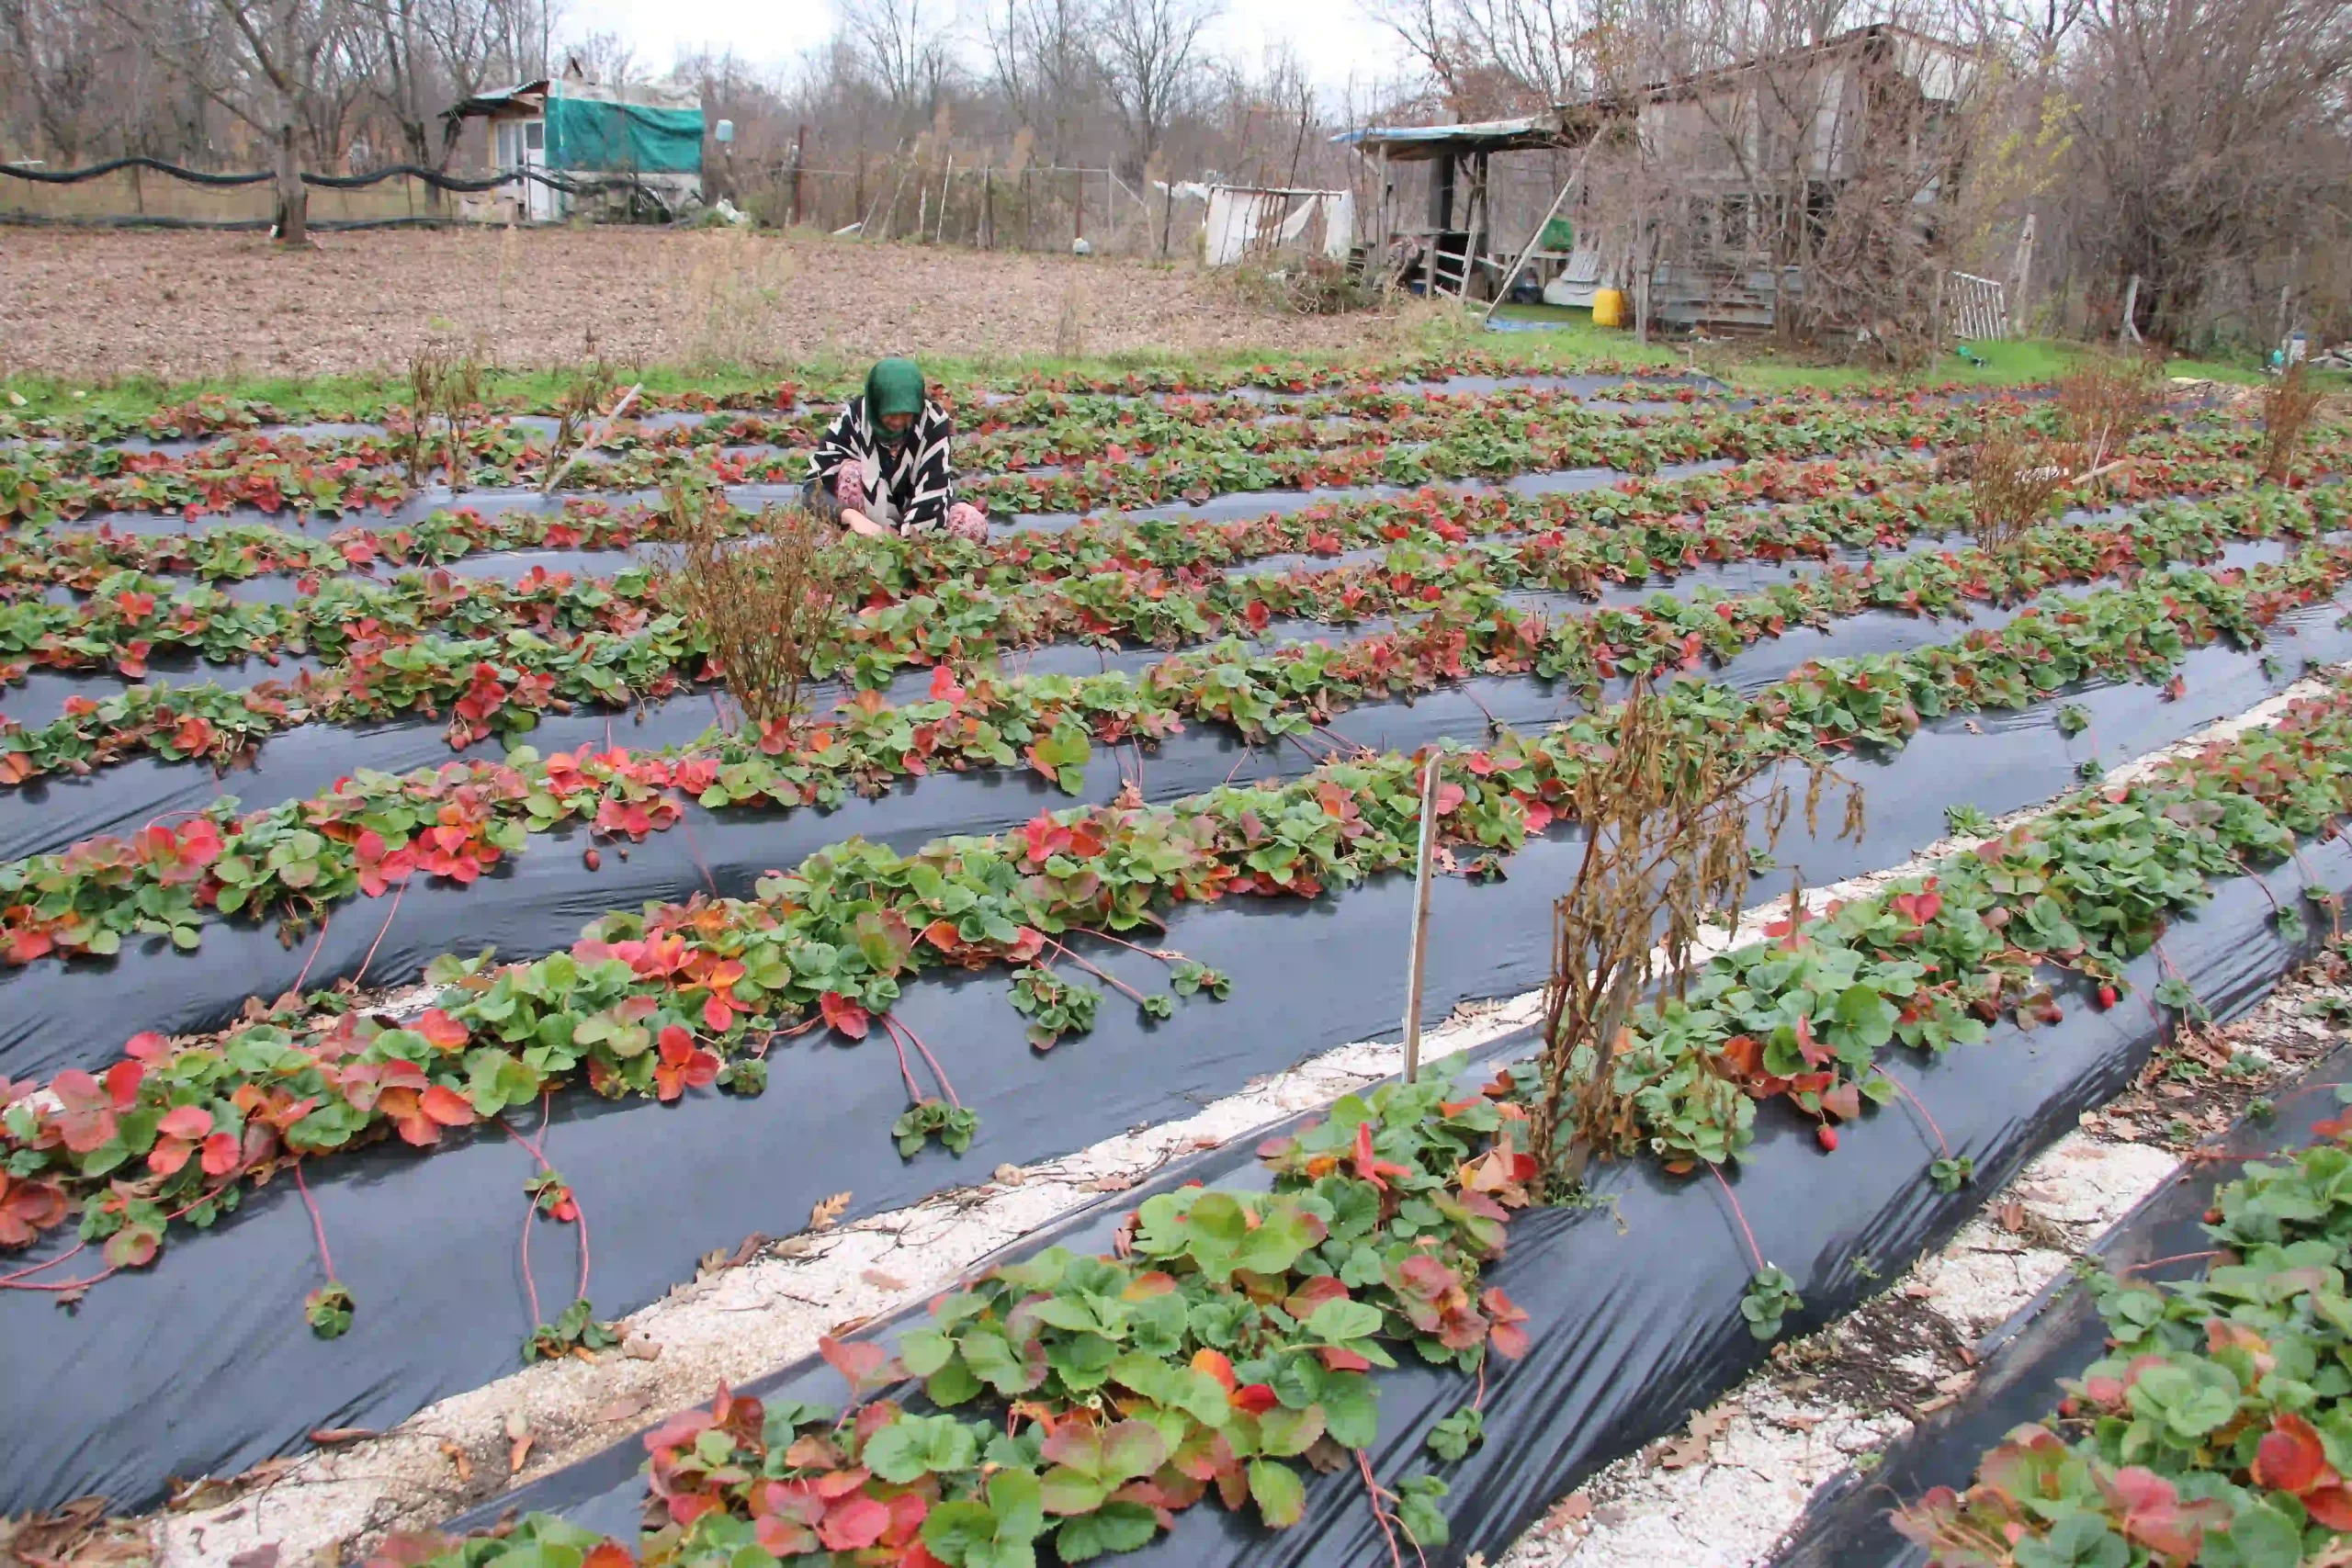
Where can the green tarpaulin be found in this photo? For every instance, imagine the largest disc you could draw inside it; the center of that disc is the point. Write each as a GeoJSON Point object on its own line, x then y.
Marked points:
{"type": "Point", "coordinates": [585, 136]}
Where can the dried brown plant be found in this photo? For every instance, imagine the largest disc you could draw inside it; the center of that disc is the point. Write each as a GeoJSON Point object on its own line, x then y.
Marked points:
{"type": "Point", "coordinates": [761, 602]}
{"type": "Point", "coordinates": [2105, 400]}
{"type": "Point", "coordinates": [2288, 405]}
{"type": "Point", "coordinates": [1667, 807]}
{"type": "Point", "coordinates": [2013, 476]}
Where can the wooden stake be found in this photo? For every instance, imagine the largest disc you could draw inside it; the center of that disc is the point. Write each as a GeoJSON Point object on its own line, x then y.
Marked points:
{"type": "Point", "coordinates": [602, 430]}
{"type": "Point", "coordinates": [1420, 936]}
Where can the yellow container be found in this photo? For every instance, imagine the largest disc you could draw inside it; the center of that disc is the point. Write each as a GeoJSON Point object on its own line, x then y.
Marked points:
{"type": "Point", "coordinates": [1608, 307]}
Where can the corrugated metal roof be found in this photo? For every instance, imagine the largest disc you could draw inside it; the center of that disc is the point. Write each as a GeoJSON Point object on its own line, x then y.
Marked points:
{"type": "Point", "coordinates": [1410, 142]}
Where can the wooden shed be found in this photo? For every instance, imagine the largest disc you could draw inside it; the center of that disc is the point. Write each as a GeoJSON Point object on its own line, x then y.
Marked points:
{"type": "Point", "coordinates": [1753, 155]}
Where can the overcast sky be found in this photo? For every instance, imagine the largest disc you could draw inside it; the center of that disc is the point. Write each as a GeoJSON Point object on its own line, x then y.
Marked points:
{"type": "Point", "coordinates": [1338, 39]}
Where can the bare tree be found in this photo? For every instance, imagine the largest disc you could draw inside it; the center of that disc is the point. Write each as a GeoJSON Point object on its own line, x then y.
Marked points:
{"type": "Point", "coordinates": [279, 49]}
{"type": "Point", "coordinates": [1152, 48]}
{"type": "Point", "coordinates": [904, 44]}
{"type": "Point", "coordinates": [2208, 135]}
{"type": "Point", "coordinates": [1040, 61]}
{"type": "Point", "coordinates": [1500, 56]}
{"type": "Point", "coordinates": [54, 56]}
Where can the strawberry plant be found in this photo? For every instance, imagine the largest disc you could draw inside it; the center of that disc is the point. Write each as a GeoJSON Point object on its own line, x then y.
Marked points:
{"type": "Point", "coordinates": [575, 1331]}
{"type": "Point", "coordinates": [2206, 1432]}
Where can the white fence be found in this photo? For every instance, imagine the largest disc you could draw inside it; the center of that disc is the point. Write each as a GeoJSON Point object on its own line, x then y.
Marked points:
{"type": "Point", "coordinates": [1977, 306]}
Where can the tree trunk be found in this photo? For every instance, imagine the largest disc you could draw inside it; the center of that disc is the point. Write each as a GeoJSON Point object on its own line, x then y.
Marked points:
{"type": "Point", "coordinates": [293, 195]}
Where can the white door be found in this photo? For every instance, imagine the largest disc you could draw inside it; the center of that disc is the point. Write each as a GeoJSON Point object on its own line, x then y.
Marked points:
{"type": "Point", "coordinates": [535, 158]}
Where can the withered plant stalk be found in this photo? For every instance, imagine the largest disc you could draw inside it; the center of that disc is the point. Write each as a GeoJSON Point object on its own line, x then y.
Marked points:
{"type": "Point", "coordinates": [762, 602]}
{"type": "Point", "coordinates": [2013, 476]}
{"type": "Point", "coordinates": [1667, 808]}
{"type": "Point", "coordinates": [2288, 406]}
{"type": "Point", "coordinates": [2105, 400]}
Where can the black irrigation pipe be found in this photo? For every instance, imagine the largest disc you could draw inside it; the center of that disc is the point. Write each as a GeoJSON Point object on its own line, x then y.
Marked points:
{"type": "Point", "coordinates": [223, 225]}
{"type": "Point", "coordinates": [433, 177]}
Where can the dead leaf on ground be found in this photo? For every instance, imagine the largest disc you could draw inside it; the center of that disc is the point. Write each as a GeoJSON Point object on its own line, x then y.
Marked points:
{"type": "Point", "coordinates": [1572, 1509]}
{"type": "Point", "coordinates": [882, 1281]}
{"type": "Point", "coordinates": [328, 1436]}
{"type": "Point", "coordinates": [519, 1439]}
{"type": "Point", "coordinates": [1929, 1406]}
{"type": "Point", "coordinates": [1681, 1453]}
{"type": "Point", "coordinates": [1009, 1174]}
{"type": "Point", "coordinates": [825, 1214]}
{"type": "Point", "coordinates": [641, 1349]}
{"type": "Point", "coordinates": [262, 1556]}
{"type": "Point", "coordinates": [1112, 1183]}
{"type": "Point", "coordinates": [80, 1533]}
{"type": "Point", "coordinates": [624, 1407]}
{"type": "Point", "coordinates": [456, 1457]}
{"type": "Point", "coordinates": [2012, 1215]}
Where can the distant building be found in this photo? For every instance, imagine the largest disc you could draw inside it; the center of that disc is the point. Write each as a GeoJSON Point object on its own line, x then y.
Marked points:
{"type": "Point", "coordinates": [581, 146]}
{"type": "Point", "coordinates": [1750, 161]}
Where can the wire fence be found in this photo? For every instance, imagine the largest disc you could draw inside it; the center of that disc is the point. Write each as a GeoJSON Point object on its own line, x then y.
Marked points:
{"type": "Point", "coordinates": [149, 192]}
{"type": "Point", "coordinates": [939, 201]}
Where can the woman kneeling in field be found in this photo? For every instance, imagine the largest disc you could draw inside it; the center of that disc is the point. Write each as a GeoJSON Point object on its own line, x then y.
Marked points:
{"type": "Point", "coordinates": [882, 466]}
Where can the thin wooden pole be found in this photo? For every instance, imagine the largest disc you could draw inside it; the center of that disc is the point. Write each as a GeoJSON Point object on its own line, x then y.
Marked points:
{"type": "Point", "coordinates": [1537, 238]}
{"type": "Point", "coordinates": [602, 430]}
{"type": "Point", "coordinates": [799, 152]}
{"type": "Point", "coordinates": [1420, 935]}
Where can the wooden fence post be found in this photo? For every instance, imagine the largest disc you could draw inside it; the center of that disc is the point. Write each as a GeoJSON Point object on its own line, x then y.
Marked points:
{"type": "Point", "coordinates": [1416, 960]}
{"type": "Point", "coordinates": [799, 149]}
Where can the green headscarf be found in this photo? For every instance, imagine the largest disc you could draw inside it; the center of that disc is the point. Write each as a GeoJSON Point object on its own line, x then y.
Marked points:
{"type": "Point", "coordinates": [893, 386]}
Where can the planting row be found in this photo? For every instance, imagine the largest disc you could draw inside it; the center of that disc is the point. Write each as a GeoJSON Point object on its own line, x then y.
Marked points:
{"type": "Point", "coordinates": [1116, 587]}
{"type": "Point", "coordinates": [132, 619]}
{"type": "Point", "coordinates": [2212, 1430]}
{"type": "Point", "coordinates": [495, 684]}
{"type": "Point", "coordinates": [653, 1003]}
{"type": "Point", "coordinates": [81, 560]}
{"type": "Point", "coordinates": [1471, 441]}
{"type": "Point", "coordinates": [987, 441]}
{"type": "Point", "coordinates": [292, 861]}
{"type": "Point", "coordinates": [1384, 1220]}
{"type": "Point", "coordinates": [437, 1266]}
{"type": "Point", "coordinates": [1030, 396]}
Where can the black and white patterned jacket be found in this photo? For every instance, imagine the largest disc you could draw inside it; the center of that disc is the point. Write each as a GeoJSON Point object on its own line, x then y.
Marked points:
{"type": "Point", "coordinates": [919, 487]}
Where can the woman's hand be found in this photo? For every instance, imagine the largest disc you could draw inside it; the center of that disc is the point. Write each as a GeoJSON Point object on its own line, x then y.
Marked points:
{"type": "Point", "coordinates": [859, 522]}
